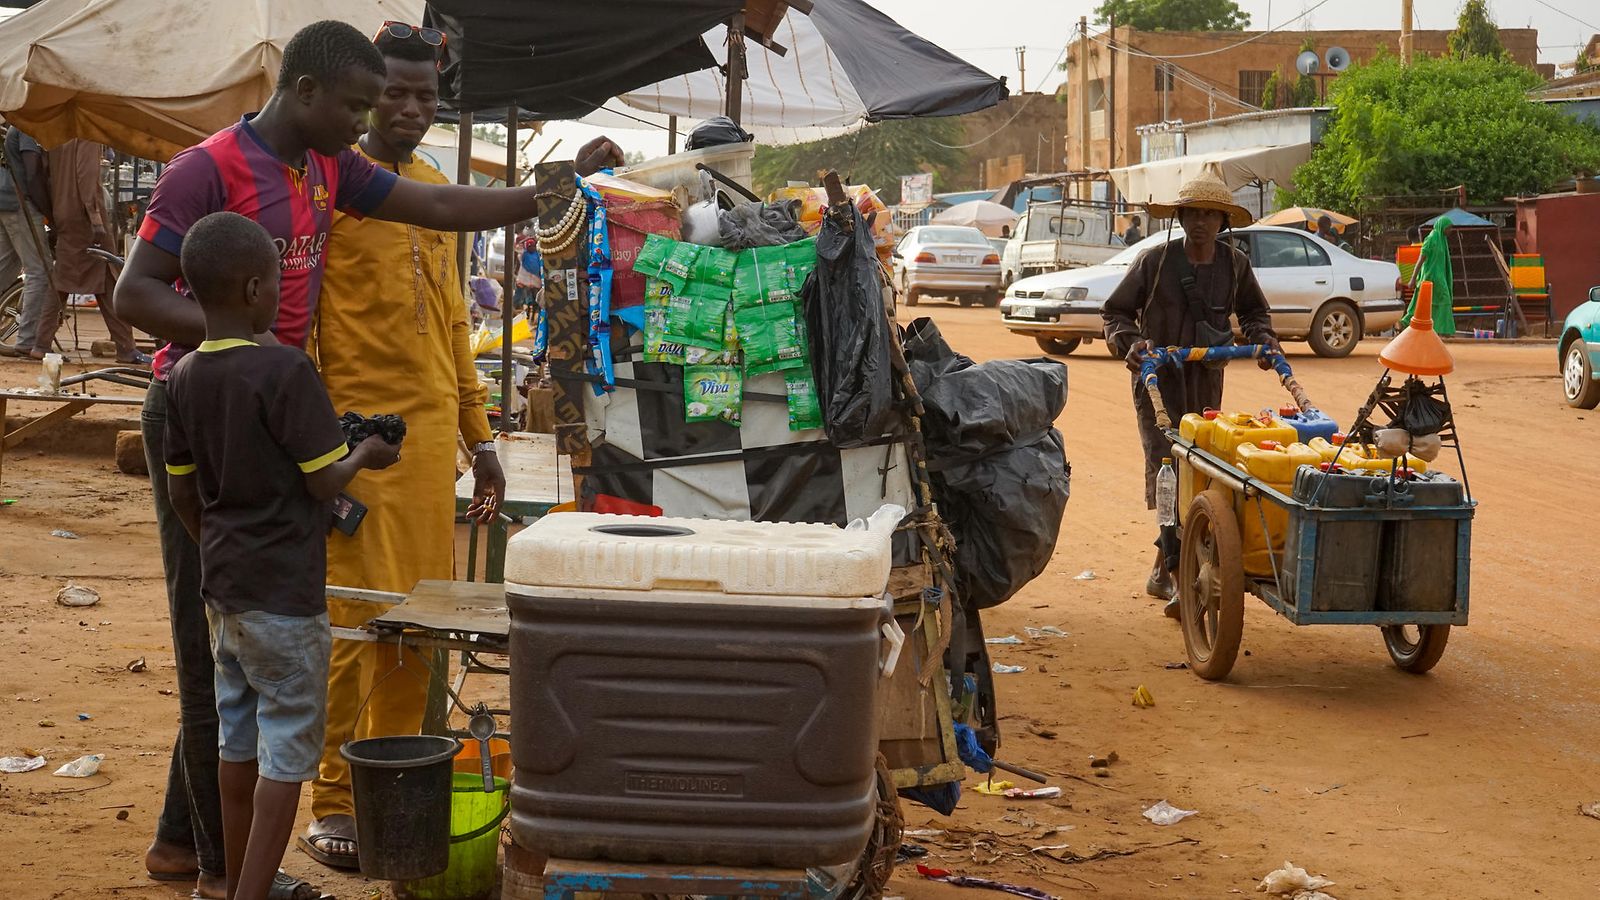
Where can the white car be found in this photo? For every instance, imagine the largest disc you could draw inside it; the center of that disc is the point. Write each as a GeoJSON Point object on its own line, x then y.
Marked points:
{"type": "Point", "coordinates": [1318, 293]}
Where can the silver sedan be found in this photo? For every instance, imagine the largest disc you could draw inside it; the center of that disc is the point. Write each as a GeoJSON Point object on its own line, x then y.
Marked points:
{"type": "Point", "coordinates": [947, 260]}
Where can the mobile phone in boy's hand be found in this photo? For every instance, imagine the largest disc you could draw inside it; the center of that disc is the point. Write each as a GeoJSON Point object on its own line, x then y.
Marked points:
{"type": "Point", "coordinates": [377, 453]}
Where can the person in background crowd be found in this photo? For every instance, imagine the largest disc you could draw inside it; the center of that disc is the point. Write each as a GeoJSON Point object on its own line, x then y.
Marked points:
{"type": "Point", "coordinates": [1183, 294]}
{"type": "Point", "coordinates": [289, 168]}
{"type": "Point", "coordinates": [1326, 232]}
{"type": "Point", "coordinates": [1134, 234]}
{"type": "Point", "coordinates": [24, 202]}
{"type": "Point", "coordinates": [392, 302]}
{"type": "Point", "coordinates": [80, 221]}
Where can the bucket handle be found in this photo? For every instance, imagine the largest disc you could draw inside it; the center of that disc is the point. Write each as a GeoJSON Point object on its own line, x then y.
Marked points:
{"type": "Point", "coordinates": [486, 827]}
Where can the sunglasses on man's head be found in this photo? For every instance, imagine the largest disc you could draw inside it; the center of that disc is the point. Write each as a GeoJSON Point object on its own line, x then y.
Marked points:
{"type": "Point", "coordinates": [400, 31]}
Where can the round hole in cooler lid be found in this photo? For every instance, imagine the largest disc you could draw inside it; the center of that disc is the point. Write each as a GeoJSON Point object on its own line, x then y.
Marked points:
{"type": "Point", "coordinates": [643, 531]}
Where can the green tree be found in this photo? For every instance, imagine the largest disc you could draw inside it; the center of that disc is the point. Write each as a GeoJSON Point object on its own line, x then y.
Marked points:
{"type": "Point", "coordinates": [1270, 90]}
{"type": "Point", "coordinates": [1305, 87]}
{"type": "Point", "coordinates": [1174, 15]}
{"type": "Point", "coordinates": [1475, 34]}
{"type": "Point", "coordinates": [1437, 123]}
{"type": "Point", "coordinates": [1584, 64]}
{"type": "Point", "coordinates": [876, 155]}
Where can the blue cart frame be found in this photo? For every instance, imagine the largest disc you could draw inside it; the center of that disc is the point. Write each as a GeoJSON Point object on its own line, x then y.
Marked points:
{"type": "Point", "coordinates": [1298, 591]}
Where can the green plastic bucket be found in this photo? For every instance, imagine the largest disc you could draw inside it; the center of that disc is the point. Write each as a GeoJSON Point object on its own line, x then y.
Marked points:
{"type": "Point", "coordinates": [475, 818]}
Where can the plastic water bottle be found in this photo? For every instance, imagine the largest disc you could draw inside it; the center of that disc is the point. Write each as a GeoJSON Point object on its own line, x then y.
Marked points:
{"type": "Point", "coordinates": [1167, 493]}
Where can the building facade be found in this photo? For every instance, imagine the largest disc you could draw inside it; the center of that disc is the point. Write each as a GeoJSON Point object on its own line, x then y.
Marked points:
{"type": "Point", "coordinates": [1121, 80]}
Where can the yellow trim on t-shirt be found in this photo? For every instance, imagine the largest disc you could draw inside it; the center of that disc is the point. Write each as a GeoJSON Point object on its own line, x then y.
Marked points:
{"type": "Point", "coordinates": [181, 470]}
{"type": "Point", "coordinates": [324, 461]}
{"type": "Point", "coordinates": [224, 344]}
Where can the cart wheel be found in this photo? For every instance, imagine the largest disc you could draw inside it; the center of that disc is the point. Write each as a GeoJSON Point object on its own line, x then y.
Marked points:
{"type": "Point", "coordinates": [1416, 648]}
{"type": "Point", "coordinates": [883, 844]}
{"type": "Point", "coordinates": [1211, 585]}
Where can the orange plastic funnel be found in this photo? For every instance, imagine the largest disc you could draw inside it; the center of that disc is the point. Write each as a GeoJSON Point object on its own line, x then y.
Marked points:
{"type": "Point", "coordinates": [1418, 350]}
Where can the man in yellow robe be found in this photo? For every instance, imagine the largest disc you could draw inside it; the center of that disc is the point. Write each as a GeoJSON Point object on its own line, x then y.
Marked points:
{"type": "Point", "coordinates": [391, 336]}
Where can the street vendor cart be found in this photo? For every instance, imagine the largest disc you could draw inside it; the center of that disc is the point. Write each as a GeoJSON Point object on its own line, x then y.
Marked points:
{"type": "Point", "coordinates": [1351, 540]}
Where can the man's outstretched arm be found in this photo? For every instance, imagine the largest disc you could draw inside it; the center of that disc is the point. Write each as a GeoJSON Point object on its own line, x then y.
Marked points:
{"type": "Point", "coordinates": [452, 207]}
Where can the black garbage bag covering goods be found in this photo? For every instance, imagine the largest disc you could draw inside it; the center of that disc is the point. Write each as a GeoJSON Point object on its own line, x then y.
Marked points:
{"type": "Point", "coordinates": [844, 313]}
{"type": "Point", "coordinates": [999, 468]}
{"type": "Point", "coordinates": [716, 132]}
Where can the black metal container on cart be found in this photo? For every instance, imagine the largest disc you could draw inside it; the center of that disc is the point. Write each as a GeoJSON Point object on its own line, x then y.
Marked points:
{"type": "Point", "coordinates": [695, 692]}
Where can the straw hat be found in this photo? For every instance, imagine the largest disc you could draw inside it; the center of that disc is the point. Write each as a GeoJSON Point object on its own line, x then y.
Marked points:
{"type": "Point", "coordinates": [1204, 191]}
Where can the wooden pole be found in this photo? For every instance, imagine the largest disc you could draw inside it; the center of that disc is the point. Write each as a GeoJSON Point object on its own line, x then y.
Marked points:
{"type": "Point", "coordinates": [1111, 106]}
{"type": "Point", "coordinates": [464, 176]}
{"type": "Point", "coordinates": [736, 67]}
{"type": "Point", "coordinates": [508, 381]}
{"type": "Point", "coordinates": [1083, 96]}
{"type": "Point", "coordinates": [672, 135]}
{"type": "Point", "coordinates": [1405, 32]}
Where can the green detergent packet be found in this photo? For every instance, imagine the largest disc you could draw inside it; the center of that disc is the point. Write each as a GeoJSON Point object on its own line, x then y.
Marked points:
{"type": "Point", "coordinates": [680, 263]}
{"type": "Point", "coordinates": [805, 409]}
{"type": "Point", "coordinates": [714, 266]}
{"type": "Point", "coordinates": [713, 393]}
{"type": "Point", "coordinates": [653, 255]}
{"type": "Point", "coordinates": [772, 337]}
{"type": "Point", "coordinates": [698, 317]}
{"type": "Point", "coordinates": [773, 274]}
{"type": "Point", "coordinates": [659, 348]}
{"type": "Point", "coordinates": [666, 316]}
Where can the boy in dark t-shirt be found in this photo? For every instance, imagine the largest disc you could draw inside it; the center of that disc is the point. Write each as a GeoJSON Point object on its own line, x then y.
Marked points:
{"type": "Point", "coordinates": [254, 454]}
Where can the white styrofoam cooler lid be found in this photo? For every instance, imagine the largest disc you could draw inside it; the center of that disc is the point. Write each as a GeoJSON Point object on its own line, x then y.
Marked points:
{"type": "Point", "coordinates": [639, 553]}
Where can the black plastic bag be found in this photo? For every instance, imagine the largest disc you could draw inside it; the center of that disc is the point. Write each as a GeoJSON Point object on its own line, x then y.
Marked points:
{"type": "Point", "coordinates": [998, 465]}
{"type": "Point", "coordinates": [1420, 412]}
{"type": "Point", "coordinates": [716, 131]}
{"type": "Point", "coordinates": [849, 329]}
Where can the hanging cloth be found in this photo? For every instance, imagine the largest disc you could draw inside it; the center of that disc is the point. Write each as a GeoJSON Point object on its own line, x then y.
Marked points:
{"type": "Point", "coordinates": [1434, 266]}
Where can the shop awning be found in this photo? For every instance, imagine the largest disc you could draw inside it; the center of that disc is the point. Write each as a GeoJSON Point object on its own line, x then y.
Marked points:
{"type": "Point", "coordinates": [150, 78]}
{"type": "Point", "coordinates": [1160, 181]}
{"type": "Point", "coordinates": [843, 64]}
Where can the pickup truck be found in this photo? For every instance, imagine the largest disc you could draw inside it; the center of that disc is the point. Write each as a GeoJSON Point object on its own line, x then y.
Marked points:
{"type": "Point", "coordinates": [1054, 236]}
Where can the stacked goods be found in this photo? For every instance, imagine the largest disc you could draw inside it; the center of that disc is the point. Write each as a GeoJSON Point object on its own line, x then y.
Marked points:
{"type": "Point", "coordinates": [726, 317]}
{"type": "Point", "coordinates": [813, 200]}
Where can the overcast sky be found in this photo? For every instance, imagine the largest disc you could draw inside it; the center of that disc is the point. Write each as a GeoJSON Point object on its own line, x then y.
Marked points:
{"type": "Point", "coordinates": [986, 33]}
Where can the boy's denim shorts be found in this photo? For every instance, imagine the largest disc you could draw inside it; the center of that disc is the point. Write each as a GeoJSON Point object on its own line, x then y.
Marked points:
{"type": "Point", "coordinates": [272, 690]}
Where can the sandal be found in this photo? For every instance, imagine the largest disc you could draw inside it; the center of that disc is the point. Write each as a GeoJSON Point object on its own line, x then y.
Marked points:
{"type": "Point", "coordinates": [288, 887]}
{"type": "Point", "coordinates": [315, 846]}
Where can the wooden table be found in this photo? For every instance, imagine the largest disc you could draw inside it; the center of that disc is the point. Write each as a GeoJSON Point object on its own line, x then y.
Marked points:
{"type": "Point", "coordinates": [537, 480]}
{"type": "Point", "coordinates": [66, 405]}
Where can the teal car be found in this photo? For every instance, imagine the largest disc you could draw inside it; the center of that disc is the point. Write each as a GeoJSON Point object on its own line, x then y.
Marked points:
{"type": "Point", "coordinates": [1580, 354]}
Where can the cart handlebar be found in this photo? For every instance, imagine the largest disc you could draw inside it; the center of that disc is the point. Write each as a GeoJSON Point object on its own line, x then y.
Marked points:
{"type": "Point", "coordinates": [1153, 360]}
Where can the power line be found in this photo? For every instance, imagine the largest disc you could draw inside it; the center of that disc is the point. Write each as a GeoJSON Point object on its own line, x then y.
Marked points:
{"type": "Point", "coordinates": [1568, 15]}
{"type": "Point", "coordinates": [1054, 67]}
{"type": "Point", "coordinates": [1250, 39]}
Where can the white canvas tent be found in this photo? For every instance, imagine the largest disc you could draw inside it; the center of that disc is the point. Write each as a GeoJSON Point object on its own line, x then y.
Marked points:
{"type": "Point", "coordinates": [151, 77]}
{"type": "Point", "coordinates": [1253, 166]}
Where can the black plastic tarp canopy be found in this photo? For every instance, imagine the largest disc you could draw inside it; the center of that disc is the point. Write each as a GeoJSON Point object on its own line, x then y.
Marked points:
{"type": "Point", "coordinates": [845, 62]}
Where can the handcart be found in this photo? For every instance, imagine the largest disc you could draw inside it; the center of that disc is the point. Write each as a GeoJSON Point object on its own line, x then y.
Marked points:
{"type": "Point", "coordinates": [1374, 550]}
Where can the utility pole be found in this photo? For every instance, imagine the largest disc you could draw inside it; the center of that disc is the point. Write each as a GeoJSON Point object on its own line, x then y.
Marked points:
{"type": "Point", "coordinates": [1083, 93]}
{"type": "Point", "coordinates": [1022, 70]}
{"type": "Point", "coordinates": [1405, 32]}
{"type": "Point", "coordinates": [1111, 91]}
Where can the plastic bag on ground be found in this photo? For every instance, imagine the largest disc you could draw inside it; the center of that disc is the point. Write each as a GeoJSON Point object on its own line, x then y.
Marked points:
{"type": "Point", "coordinates": [82, 767]}
{"type": "Point", "coordinates": [998, 465]}
{"type": "Point", "coordinates": [1165, 813]}
{"type": "Point", "coordinates": [1292, 881]}
{"type": "Point", "coordinates": [850, 336]}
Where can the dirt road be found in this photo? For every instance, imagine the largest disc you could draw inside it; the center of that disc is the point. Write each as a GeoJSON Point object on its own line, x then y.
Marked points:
{"type": "Point", "coordinates": [1461, 783]}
